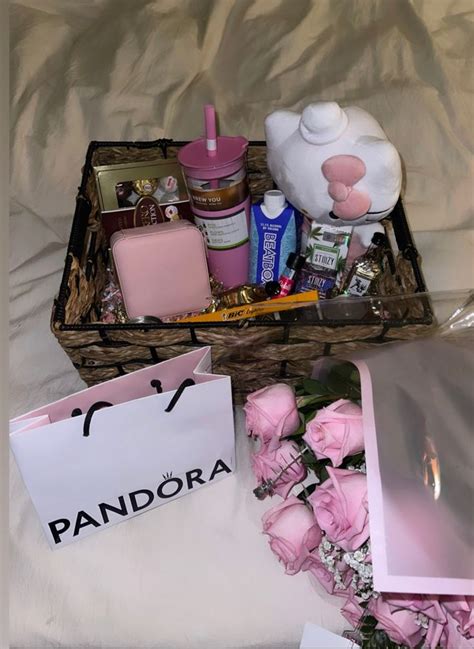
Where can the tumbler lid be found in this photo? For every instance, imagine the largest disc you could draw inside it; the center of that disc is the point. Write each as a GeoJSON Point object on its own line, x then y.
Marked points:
{"type": "Point", "coordinates": [229, 157]}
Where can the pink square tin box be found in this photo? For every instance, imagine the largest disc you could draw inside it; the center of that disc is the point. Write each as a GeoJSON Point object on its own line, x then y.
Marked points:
{"type": "Point", "coordinates": [162, 269]}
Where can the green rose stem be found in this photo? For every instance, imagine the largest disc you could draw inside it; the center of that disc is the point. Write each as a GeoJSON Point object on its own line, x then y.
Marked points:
{"type": "Point", "coordinates": [312, 399]}
{"type": "Point", "coordinates": [267, 486]}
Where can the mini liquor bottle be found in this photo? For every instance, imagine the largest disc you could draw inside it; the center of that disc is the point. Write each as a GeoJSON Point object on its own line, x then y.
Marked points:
{"type": "Point", "coordinates": [366, 269]}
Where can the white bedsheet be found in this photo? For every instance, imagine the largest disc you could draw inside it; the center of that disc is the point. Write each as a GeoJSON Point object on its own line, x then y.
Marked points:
{"type": "Point", "coordinates": [198, 573]}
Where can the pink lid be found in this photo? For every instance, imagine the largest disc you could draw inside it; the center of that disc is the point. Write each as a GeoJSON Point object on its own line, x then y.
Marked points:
{"type": "Point", "coordinates": [229, 157]}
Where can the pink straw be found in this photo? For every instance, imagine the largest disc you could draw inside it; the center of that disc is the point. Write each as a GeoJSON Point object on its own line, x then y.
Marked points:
{"type": "Point", "coordinates": [210, 130]}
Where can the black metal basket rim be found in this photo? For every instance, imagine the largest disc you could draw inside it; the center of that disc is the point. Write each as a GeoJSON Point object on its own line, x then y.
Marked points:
{"type": "Point", "coordinates": [333, 324]}
{"type": "Point", "coordinates": [160, 142]}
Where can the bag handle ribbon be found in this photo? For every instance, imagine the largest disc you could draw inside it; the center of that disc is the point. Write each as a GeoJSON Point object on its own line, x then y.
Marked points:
{"type": "Point", "coordinates": [155, 383]}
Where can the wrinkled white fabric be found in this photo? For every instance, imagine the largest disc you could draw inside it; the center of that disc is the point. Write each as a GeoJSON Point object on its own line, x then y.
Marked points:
{"type": "Point", "coordinates": [197, 573]}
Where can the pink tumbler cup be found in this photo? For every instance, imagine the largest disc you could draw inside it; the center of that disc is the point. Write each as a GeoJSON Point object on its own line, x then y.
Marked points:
{"type": "Point", "coordinates": [214, 168]}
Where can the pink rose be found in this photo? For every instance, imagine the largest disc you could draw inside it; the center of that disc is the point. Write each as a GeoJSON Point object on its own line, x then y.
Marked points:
{"type": "Point", "coordinates": [341, 508]}
{"type": "Point", "coordinates": [461, 609]}
{"type": "Point", "coordinates": [314, 565]}
{"type": "Point", "coordinates": [400, 625]}
{"type": "Point", "coordinates": [429, 606]}
{"type": "Point", "coordinates": [452, 638]}
{"type": "Point", "coordinates": [336, 431]}
{"type": "Point", "coordinates": [272, 412]}
{"type": "Point", "coordinates": [293, 532]}
{"type": "Point", "coordinates": [267, 463]}
{"type": "Point", "coordinates": [352, 610]}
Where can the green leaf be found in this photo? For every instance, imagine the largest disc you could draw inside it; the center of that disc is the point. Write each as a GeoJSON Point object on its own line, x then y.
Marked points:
{"type": "Point", "coordinates": [323, 474]}
{"type": "Point", "coordinates": [315, 233]}
{"type": "Point", "coordinates": [345, 368]}
{"type": "Point", "coordinates": [353, 460]}
{"type": "Point", "coordinates": [341, 262]}
{"type": "Point", "coordinates": [344, 379]}
{"type": "Point", "coordinates": [306, 491]}
{"type": "Point", "coordinates": [310, 461]}
{"type": "Point", "coordinates": [313, 386]}
{"type": "Point", "coordinates": [373, 638]}
{"type": "Point", "coordinates": [314, 399]}
{"type": "Point", "coordinates": [369, 622]}
{"type": "Point", "coordinates": [318, 467]}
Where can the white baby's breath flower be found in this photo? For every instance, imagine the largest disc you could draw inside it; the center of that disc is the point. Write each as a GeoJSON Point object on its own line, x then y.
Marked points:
{"type": "Point", "coordinates": [422, 620]}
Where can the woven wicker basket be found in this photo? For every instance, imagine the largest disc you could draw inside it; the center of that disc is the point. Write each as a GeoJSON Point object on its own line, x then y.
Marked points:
{"type": "Point", "coordinates": [254, 355]}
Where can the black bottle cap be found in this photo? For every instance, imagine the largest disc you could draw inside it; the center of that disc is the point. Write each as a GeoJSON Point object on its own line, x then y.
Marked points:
{"type": "Point", "coordinates": [379, 239]}
{"type": "Point", "coordinates": [272, 289]}
{"type": "Point", "coordinates": [300, 262]}
{"type": "Point", "coordinates": [295, 262]}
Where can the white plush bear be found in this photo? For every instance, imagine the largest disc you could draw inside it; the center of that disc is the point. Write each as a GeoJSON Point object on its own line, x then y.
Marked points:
{"type": "Point", "coordinates": [334, 164]}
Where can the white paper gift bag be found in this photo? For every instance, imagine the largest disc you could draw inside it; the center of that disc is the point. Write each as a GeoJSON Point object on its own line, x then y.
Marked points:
{"type": "Point", "coordinates": [120, 448]}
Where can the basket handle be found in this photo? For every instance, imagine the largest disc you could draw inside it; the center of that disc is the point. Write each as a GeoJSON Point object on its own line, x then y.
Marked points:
{"type": "Point", "coordinates": [98, 405]}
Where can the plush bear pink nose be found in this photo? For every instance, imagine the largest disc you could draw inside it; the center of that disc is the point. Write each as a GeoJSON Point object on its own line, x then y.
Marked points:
{"type": "Point", "coordinates": [347, 169]}
{"type": "Point", "coordinates": [342, 172]}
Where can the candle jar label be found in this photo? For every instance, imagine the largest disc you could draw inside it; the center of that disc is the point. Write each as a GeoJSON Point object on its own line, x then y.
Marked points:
{"type": "Point", "coordinates": [225, 232]}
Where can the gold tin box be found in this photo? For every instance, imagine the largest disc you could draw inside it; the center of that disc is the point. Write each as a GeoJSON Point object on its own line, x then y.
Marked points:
{"type": "Point", "coordinates": [110, 177]}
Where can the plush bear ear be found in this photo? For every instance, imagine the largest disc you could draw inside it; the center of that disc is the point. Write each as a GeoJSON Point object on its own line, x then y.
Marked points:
{"type": "Point", "coordinates": [279, 126]}
{"type": "Point", "coordinates": [323, 122]}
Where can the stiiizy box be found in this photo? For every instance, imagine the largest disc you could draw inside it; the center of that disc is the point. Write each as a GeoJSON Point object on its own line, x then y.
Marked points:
{"type": "Point", "coordinates": [326, 253]}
